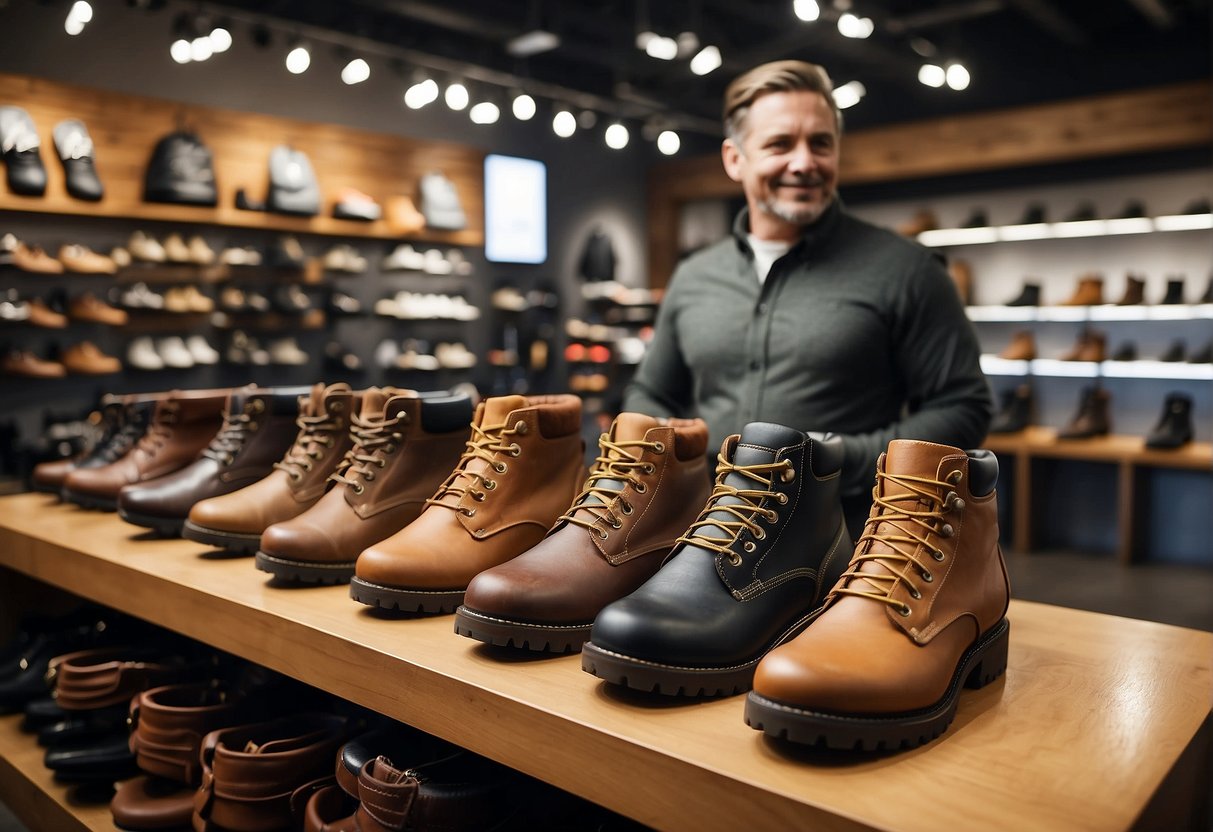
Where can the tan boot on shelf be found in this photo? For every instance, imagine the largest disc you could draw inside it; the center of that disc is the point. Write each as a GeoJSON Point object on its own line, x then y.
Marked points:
{"type": "Point", "coordinates": [42, 315]}
{"type": "Point", "coordinates": [86, 358]}
{"type": "Point", "coordinates": [1090, 346]}
{"type": "Point", "coordinates": [1021, 348]}
{"type": "Point", "coordinates": [522, 467]}
{"type": "Point", "coordinates": [175, 249]}
{"type": "Point", "coordinates": [88, 307]}
{"type": "Point", "coordinates": [403, 448]}
{"type": "Point", "coordinates": [236, 521]}
{"type": "Point", "coordinates": [35, 260]}
{"type": "Point", "coordinates": [962, 276]}
{"type": "Point", "coordinates": [27, 364]}
{"type": "Point", "coordinates": [1089, 292]}
{"type": "Point", "coordinates": [644, 491]}
{"type": "Point", "coordinates": [918, 615]}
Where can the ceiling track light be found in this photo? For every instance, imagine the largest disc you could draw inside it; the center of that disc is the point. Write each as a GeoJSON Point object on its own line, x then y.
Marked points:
{"type": "Point", "coordinates": [299, 58]}
{"type": "Point", "coordinates": [424, 91]}
{"type": "Point", "coordinates": [564, 124]}
{"type": "Point", "coordinates": [617, 136]}
{"type": "Point", "coordinates": [853, 26]}
{"type": "Point", "coordinates": [456, 96]}
{"type": "Point", "coordinates": [849, 94]}
{"type": "Point", "coordinates": [523, 106]}
{"type": "Point", "coordinates": [957, 76]}
{"type": "Point", "coordinates": [484, 112]}
{"type": "Point", "coordinates": [668, 142]}
{"type": "Point", "coordinates": [706, 60]}
{"type": "Point", "coordinates": [806, 10]}
{"type": "Point", "coordinates": [356, 71]}
{"type": "Point", "coordinates": [80, 13]}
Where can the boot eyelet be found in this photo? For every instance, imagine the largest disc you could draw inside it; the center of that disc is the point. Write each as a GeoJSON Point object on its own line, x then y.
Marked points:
{"type": "Point", "coordinates": [772, 516]}
{"type": "Point", "coordinates": [382, 462]}
{"type": "Point", "coordinates": [788, 475]}
{"type": "Point", "coordinates": [782, 499]}
{"type": "Point", "coordinates": [648, 468]}
{"type": "Point", "coordinates": [296, 476]}
{"type": "Point", "coordinates": [306, 466]}
{"type": "Point", "coordinates": [956, 476]}
{"type": "Point", "coordinates": [602, 534]}
{"type": "Point", "coordinates": [749, 547]}
{"type": "Point", "coordinates": [500, 467]}
{"type": "Point", "coordinates": [468, 512]}
{"type": "Point", "coordinates": [927, 576]}
{"type": "Point", "coordinates": [389, 448]}
{"type": "Point", "coordinates": [734, 560]}
{"type": "Point", "coordinates": [904, 611]}
{"type": "Point", "coordinates": [515, 449]}
{"type": "Point", "coordinates": [947, 530]}
{"type": "Point", "coordinates": [641, 488]}
{"type": "Point", "coordinates": [915, 594]}
{"type": "Point", "coordinates": [359, 488]}
{"type": "Point", "coordinates": [480, 533]}
{"type": "Point", "coordinates": [489, 485]}
{"type": "Point", "coordinates": [520, 428]}
{"type": "Point", "coordinates": [659, 447]}
{"type": "Point", "coordinates": [616, 523]}
{"type": "Point", "coordinates": [478, 496]}
{"type": "Point", "coordinates": [937, 554]}
{"type": "Point", "coordinates": [252, 426]}
{"type": "Point", "coordinates": [759, 534]}
{"type": "Point", "coordinates": [258, 405]}
{"type": "Point", "coordinates": [626, 508]}
{"type": "Point", "coordinates": [369, 476]}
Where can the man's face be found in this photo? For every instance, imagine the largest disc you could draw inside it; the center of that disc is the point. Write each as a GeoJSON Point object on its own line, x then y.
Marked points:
{"type": "Point", "coordinates": [787, 162]}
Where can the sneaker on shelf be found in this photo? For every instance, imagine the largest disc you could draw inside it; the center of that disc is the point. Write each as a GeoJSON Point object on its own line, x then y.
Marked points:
{"type": "Point", "coordinates": [455, 356]}
{"type": "Point", "coordinates": [25, 363]}
{"type": "Point", "coordinates": [630, 350]}
{"type": "Point", "coordinates": [201, 351]}
{"type": "Point", "coordinates": [389, 306]}
{"type": "Point", "coordinates": [82, 260]}
{"type": "Point", "coordinates": [174, 352]}
{"type": "Point", "coordinates": [8, 247]}
{"type": "Point", "coordinates": [120, 256]}
{"type": "Point", "coordinates": [139, 296]}
{"type": "Point", "coordinates": [13, 308]}
{"type": "Point", "coordinates": [345, 258]}
{"type": "Point", "coordinates": [459, 263]}
{"type": "Point", "coordinates": [141, 354]}
{"type": "Point", "coordinates": [199, 252]}
{"type": "Point", "coordinates": [143, 246]}
{"type": "Point", "coordinates": [286, 253]}
{"type": "Point", "coordinates": [292, 299]}
{"type": "Point", "coordinates": [176, 299]}
{"type": "Point", "coordinates": [459, 309]}
{"type": "Point", "coordinates": [245, 350]}
{"type": "Point", "coordinates": [256, 302]}
{"type": "Point", "coordinates": [387, 352]}
{"type": "Point", "coordinates": [198, 302]}
{"type": "Point", "coordinates": [353, 204]}
{"type": "Point", "coordinates": [404, 257]}
{"type": "Point", "coordinates": [286, 351]}
{"type": "Point", "coordinates": [509, 299]}
{"type": "Point", "coordinates": [434, 262]}
{"type": "Point", "coordinates": [36, 260]}
{"type": "Point", "coordinates": [232, 298]}
{"type": "Point", "coordinates": [416, 356]}
{"type": "Point", "coordinates": [342, 304]}
{"type": "Point", "coordinates": [175, 249]}
{"type": "Point", "coordinates": [240, 256]}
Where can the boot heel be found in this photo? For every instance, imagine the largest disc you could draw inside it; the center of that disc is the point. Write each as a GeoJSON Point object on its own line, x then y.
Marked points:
{"type": "Point", "coordinates": [991, 660]}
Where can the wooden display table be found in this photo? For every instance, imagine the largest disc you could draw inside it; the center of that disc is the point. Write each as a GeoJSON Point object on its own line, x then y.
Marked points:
{"type": "Point", "coordinates": [1127, 453]}
{"type": "Point", "coordinates": [1101, 723]}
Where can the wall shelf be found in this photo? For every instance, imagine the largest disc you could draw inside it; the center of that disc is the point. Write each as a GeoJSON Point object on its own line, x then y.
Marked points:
{"type": "Point", "coordinates": [948, 237]}
{"type": "Point", "coordinates": [992, 365]}
{"type": "Point", "coordinates": [1107, 312]}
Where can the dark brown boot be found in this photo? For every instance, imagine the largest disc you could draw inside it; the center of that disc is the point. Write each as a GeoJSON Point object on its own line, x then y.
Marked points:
{"type": "Point", "coordinates": [1091, 346]}
{"type": "Point", "coordinates": [1091, 418]}
{"type": "Point", "coordinates": [1135, 290]}
{"type": "Point", "coordinates": [1021, 348]}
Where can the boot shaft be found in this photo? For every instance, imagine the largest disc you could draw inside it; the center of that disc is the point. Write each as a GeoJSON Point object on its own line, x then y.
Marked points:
{"type": "Point", "coordinates": [183, 423]}
{"type": "Point", "coordinates": [1089, 292]}
{"type": "Point", "coordinates": [322, 441]}
{"type": "Point", "coordinates": [257, 430]}
{"type": "Point", "coordinates": [1175, 291]}
{"type": "Point", "coordinates": [1174, 426]}
{"type": "Point", "coordinates": [1016, 412]}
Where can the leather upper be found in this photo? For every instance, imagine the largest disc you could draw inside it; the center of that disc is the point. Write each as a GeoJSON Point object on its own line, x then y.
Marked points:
{"type": "Point", "coordinates": [764, 552]}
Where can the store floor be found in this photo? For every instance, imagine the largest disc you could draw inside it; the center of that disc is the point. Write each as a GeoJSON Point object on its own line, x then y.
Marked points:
{"type": "Point", "coordinates": [1180, 595]}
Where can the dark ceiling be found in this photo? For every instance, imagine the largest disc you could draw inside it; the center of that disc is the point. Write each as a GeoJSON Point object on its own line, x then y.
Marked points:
{"type": "Point", "coordinates": [1017, 51]}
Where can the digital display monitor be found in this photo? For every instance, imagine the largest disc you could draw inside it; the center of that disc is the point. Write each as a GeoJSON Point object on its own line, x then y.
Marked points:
{"type": "Point", "coordinates": [515, 210]}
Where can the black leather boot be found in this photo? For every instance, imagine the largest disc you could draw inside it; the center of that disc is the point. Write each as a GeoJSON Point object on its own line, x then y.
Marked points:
{"type": "Point", "coordinates": [750, 573]}
{"type": "Point", "coordinates": [1174, 427]}
{"type": "Point", "coordinates": [1091, 419]}
{"type": "Point", "coordinates": [1175, 291]}
{"type": "Point", "coordinates": [19, 144]}
{"type": "Point", "coordinates": [1016, 412]}
{"type": "Point", "coordinates": [1203, 356]}
{"type": "Point", "coordinates": [1207, 297]}
{"type": "Point", "coordinates": [75, 149]}
{"type": "Point", "coordinates": [1175, 352]}
{"type": "Point", "coordinates": [1125, 352]}
{"type": "Point", "coordinates": [1030, 296]}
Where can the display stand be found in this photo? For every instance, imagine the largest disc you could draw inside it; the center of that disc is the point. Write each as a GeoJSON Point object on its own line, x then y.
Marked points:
{"type": "Point", "coordinates": [1100, 722]}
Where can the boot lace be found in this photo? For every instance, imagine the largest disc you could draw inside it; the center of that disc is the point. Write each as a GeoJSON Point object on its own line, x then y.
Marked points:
{"type": "Point", "coordinates": [230, 438]}
{"type": "Point", "coordinates": [161, 430]}
{"type": "Point", "coordinates": [906, 528]}
{"type": "Point", "coordinates": [315, 432]}
{"type": "Point", "coordinates": [487, 443]}
{"type": "Point", "coordinates": [614, 463]}
{"type": "Point", "coordinates": [122, 440]}
{"type": "Point", "coordinates": [370, 435]}
{"type": "Point", "coordinates": [746, 512]}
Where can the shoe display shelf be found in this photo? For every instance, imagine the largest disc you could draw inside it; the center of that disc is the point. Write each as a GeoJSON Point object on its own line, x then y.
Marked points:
{"type": "Point", "coordinates": [987, 234]}
{"type": "Point", "coordinates": [1077, 734]}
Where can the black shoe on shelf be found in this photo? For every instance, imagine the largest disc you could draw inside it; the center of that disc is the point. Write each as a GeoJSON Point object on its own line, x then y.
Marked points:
{"type": "Point", "coordinates": [1016, 412]}
{"type": "Point", "coordinates": [1175, 352]}
{"type": "Point", "coordinates": [1125, 352]}
{"type": "Point", "coordinates": [1175, 291]}
{"type": "Point", "coordinates": [19, 144]}
{"type": "Point", "coordinates": [977, 219]}
{"type": "Point", "coordinates": [1030, 296]}
{"type": "Point", "coordinates": [1085, 212]}
{"type": "Point", "coordinates": [246, 203]}
{"type": "Point", "coordinates": [1133, 209]}
{"type": "Point", "coordinates": [75, 149]}
{"type": "Point", "coordinates": [1174, 426]}
{"type": "Point", "coordinates": [1203, 355]}
{"type": "Point", "coordinates": [1034, 214]}
{"type": "Point", "coordinates": [1207, 297]}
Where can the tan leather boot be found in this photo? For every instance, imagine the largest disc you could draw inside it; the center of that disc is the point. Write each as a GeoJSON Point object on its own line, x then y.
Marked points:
{"type": "Point", "coordinates": [521, 467]}
{"type": "Point", "coordinates": [919, 613]}
{"type": "Point", "coordinates": [962, 276]}
{"type": "Point", "coordinates": [235, 521]}
{"type": "Point", "coordinates": [646, 488]}
{"type": "Point", "coordinates": [183, 423]}
{"type": "Point", "coordinates": [403, 448]}
{"type": "Point", "coordinates": [1021, 348]}
{"type": "Point", "coordinates": [1090, 346]}
{"type": "Point", "coordinates": [1089, 292]}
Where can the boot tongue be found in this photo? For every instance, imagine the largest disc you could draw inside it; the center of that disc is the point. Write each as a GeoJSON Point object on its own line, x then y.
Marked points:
{"type": "Point", "coordinates": [373, 401]}
{"type": "Point", "coordinates": [759, 444]}
{"type": "Point", "coordinates": [498, 409]}
{"type": "Point", "coordinates": [907, 457]}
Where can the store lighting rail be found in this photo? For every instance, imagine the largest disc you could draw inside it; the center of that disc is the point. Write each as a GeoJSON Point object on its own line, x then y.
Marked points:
{"type": "Point", "coordinates": [992, 365]}
{"type": "Point", "coordinates": [942, 237]}
{"type": "Point", "coordinates": [1105, 312]}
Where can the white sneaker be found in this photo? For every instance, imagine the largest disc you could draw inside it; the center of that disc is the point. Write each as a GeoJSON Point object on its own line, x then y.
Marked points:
{"type": "Point", "coordinates": [433, 262]}
{"type": "Point", "coordinates": [175, 249]}
{"type": "Point", "coordinates": [414, 359]}
{"type": "Point", "coordinates": [286, 351]}
{"type": "Point", "coordinates": [139, 296]}
{"type": "Point", "coordinates": [143, 246]}
{"type": "Point", "coordinates": [458, 262]}
{"type": "Point", "coordinates": [387, 352]}
{"type": "Point", "coordinates": [509, 299]}
{"type": "Point", "coordinates": [404, 257]}
{"type": "Point", "coordinates": [202, 352]}
{"type": "Point", "coordinates": [142, 354]}
{"type": "Point", "coordinates": [455, 356]}
{"type": "Point", "coordinates": [175, 354]}
{"type": "Point", "coordinates": [200, 253]}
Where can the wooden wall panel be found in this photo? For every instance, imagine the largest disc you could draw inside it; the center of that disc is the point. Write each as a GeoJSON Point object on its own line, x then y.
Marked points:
{"type": "Point", "coordinates": [126, 128]}
{"type": "Point", "coordinates": [1166, 118]}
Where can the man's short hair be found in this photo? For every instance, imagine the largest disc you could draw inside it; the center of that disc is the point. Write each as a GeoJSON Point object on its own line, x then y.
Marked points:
{"type": "Point", "coordinates": [777, 76]}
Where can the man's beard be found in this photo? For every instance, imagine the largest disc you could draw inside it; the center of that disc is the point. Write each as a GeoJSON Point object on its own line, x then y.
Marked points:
{"type": "Point", "coordinates": [795, 213]}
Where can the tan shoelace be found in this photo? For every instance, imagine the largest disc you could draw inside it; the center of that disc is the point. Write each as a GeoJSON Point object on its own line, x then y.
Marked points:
{"type": "Point", "coordinates": [230, 438]}
{"type": "Point", "coordinates": [486, 444]}
{"type": "Point", "coordinates": [616, 464]}
{"type": "Point", "coordinates": [904, 520]}
{"type": "Point", "coordinates": [746, 512]}
{"type": "Point", "coordinates": [314, 432]}
{"type": "Point", "coordinates": [360, 461]}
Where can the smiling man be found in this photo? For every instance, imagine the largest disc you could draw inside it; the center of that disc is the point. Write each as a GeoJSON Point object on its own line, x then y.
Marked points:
{"type": "Point", "coordinates": [806, 316]}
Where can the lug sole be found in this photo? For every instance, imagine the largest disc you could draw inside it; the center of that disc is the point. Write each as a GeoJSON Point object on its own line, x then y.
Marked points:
{"type": "Point", "coordinates": [980, 665]}
{"type": "Point", "coordinates": [89, 500]}
{"type": "Point", "coordinates": [681, 680]}
{"type": "Point", "coordinates": [305, 572]}
{"type": "Point", "coordinates": [231, 541]}
{"type": "Point", "coordinates": [521, 635]}
{"type": "Point", "coordinates": [163, 526]}
{"type": "Point", "coordinates": [431, 601]}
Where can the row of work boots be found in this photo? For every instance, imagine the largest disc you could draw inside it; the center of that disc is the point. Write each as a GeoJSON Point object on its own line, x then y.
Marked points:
{"type": "Point", "coordinates": [1174, 428]}
{"type": "Point", "coordinates": [1090, 292]}
{"type": "Point", "coordinates": [1091, 345]}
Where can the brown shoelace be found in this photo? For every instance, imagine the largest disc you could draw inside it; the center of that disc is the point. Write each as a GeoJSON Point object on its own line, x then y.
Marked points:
{"type": "Point", "coordinates": [315, 432]}
{"type": "Point", "coordinates": [161, 429]}
{"type": "Point", "coordinates": [615, 464]}
{"type": "Point", "coordinates": [230, 438]}
{"type": "Point", "coordinates": [370, 435]}
{"type": "Point", "coordinates": [486, 443]}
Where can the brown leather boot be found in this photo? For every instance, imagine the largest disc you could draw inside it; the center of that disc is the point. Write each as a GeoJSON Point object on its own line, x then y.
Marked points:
{"type": "Point", "coordinates": [25, 363]}
{"type": "Point", "coordinates": [1090, 346]}
{"type": "Point", "coordinates": [258, 427]}
{"type": "Point", "coordinates": [235, 521]}
{"type": "Point", "coordinates": [1135, 291]}
{"type": "Point", "coordinates": [1089, 292]}
{"type": "Point", "coordinates": [403, 448]}
{"type": "Point", "coordinates": [522, 466]}
{"type": "Point", "coordinates": [1092, 416]}
{"type": "Point", "coordinates": [124, 420]}
{"type": "Point", "coordinates": [1021, 348]}
{"type": "Point", "coordinates": [962, 276]}
{"type": "Point", "coordinates": [919, 613]}
{"type": "Point", "coordinates": [182, 425]}
{"type": "Point", "coordinates": [88, 307]}
{"type": "Point", "coordinates": [644, 491]}
{"type": "Point", "coordinates": [86, 358]}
